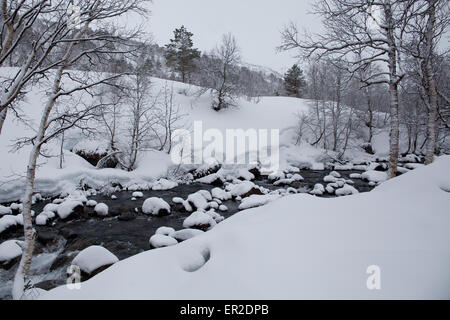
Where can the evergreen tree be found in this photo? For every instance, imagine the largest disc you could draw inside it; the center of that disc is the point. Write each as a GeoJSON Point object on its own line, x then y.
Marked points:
{"type": "Point", "coordinates": [180, 54]}
{"type": "Point", "coordinates": [294, 81]}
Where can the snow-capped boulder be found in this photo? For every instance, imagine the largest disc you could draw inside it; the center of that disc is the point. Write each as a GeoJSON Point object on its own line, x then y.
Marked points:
{"type": "Point", "coordinates": [244, 189]}
{"type": "Point", "coordinates": [257, 201]}
{"type": "Point", "coordinates": [69, 208]}
{"type": "Point", "coordinates": [355, 176]}
{"type": "Point", "coordinates": [291, 178]}
{"type": "Point", "coordinates": [374, 176]}
{"type": "Point", "coordinates": [213, 179]}
{"type": "Point", "coordinates": [329, 189]}
{"type": "Point", "coordinates": [318, 189]}
{"type": "Point", "coordinates": [335, 174]}
{"type": "Point", "coordinates": [16, 208]}
{"type": "Point", "coordinates": [137, 194]}
{"type": "Point", "coordinates": [114, 197]}
{"type": "Point", "coordinates": [93, 260]}
{"type": "Point", "coordinates": [330, 179]}
{"type": "Point", "coordinates": [41, 219]}
{"type": "Point", "coordinates": [156, 206]}
{"type": "Point", "coordinates": [199, 220]}
{"type": "Point", "coordinates": [166, 231]}
{"type": "Point", "coordinates": [5, 210]}
{"type": "Point", "coordinates": [244, 174]}
{"type": "Point", "coordinates": [220, 194]}
{"type": "Point", "coordinates": [217, 217]}
{"type": "Point", "coordinates": [186, 234]}
{"type": "Point", "coordinates": [346, 190]}
{"type": "Point", "coordinates": [276, 176]}
{"type": "Point", "coordinates": [91, 203]}
{"type": "Point", "coordinates": [160, 241]}
{"type": "Point", "coordinates": [101, 209]}
{"type": "Point", "coordinates": [164, 184]}
{"type": "Point", "coordinates": [8, 221]}
{"type": "Point", "coordinates": [10, 252]}
{"type": "Point", "coordinates": [198, 201]}
{"type": "Point", "coordinates": [223, 208]}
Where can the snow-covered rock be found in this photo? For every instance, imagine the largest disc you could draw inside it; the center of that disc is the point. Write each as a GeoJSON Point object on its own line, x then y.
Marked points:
{"type": "Point", "coordinates": [8, 221]}
{"type": "Point", "coordinates": [220, 194]}
{"type": "Point", "coordinates": [156, 206]}
{"type": "Point", "coordinates": [374, 176]}
{"type": "Point", "coordinates": [137, 194]}
{"type": "Point", "coordinates": [10, 250]}
{"type": "Point", "coordinates": [244, 174]}
{"type": "Point", "coordinates": [291, 179]}
{"type": "Point", "coordinates": [257, 201]}
{"type": "Point", "coordinates": [223, 207]}
{"type": "Point", "coordinates": [101, 209]}
{"type": "Point", "coordinates": [41, 219]}
{"type": "Point", "coordinates": [318, 189]}
{"type": "Point", "coordinates": [91, 203]}
{"type": "Point", "coordinates": [5, 210]}
{"type": "Point", "coordinates": [198, 201]}
{"type": "Point", "coordinates": [346, 190]}
{"type": "Point", "coordinates": [217, 217]}
{"type": "Point", "coordinates": [94, 259]}
{"type": "Point", "coordinates": [199, 220]}
{"type": "Point", "coordinates": [335, 174]}
{"type": "Point", "coordinates": [244, 189]}
{"type": "Point", "coordinates": [164, 184]}
{"type": "Point", "coordinates": [160, 241]}
{"type": "Point", "coordinates": [355, 176]}
{"type": "Point", "coordinates": [213, 178]}
{"type": "Point", "coordinates": [330, 179]}
{"type": "Point", "coordinates": [68, 208]}
{"type": "Point", "coordinates": [166, 231]}
{"type": "Point", "coordinates": [186, 234]}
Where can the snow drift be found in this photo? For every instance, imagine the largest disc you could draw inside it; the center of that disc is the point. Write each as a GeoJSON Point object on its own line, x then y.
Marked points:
{"type": "Point", "coordinates": [304, 247]}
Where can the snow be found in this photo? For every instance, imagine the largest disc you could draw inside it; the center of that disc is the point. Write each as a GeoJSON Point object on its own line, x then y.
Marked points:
{"type": "Point", "coordinates": [304, 247]}
{"type": "Point", "coordinates": [223, 207]}
{"type": "Point", "coordinates": [94, 257]}
{"type": "Point", "coordinates": [10, 250]}
{"type": "Point", "coordinates": [66, 208]}
{"type": "Point", "coordinates": [220, 194]}
{"type": "Point", "coordinates": [41, 219]}
{"type": "Point", "coordinates": [199, 219]}
{"type": "Point", "coordinates": [374, 176]}
{"type": "Point", "coordinates": [245, 174]}
{"type": "Point", "coordinates": [346, 190]}
{"type": "Point", "coordinates": [8, 221]}
{"type": "Point", "coordinates": [209, 179]}
{"type": "Point", "coordinates": [154, 206]}
{"type": "Point", "coordinates": [160, 240]}
{"type": "Point", "coordinates": [318, 189]}
{"type": "Point", "coordinates": [51, 207]}
{"type": "Point", "coordinates": [242, 188]}
{"type": "Point", "coordinates": [167, 231]}
{"type": "Point", "coordinates": [164, 184]}
{"type": "Point", "coordinates": [186, 234]}
{"type": "Point", "coordinates": [198, 200]}
{"type": "Point", "coordinates": [137, 194]}
{"type": "Point", "coordinates": [257, 201]}
{"type": "Point", "coordinates": [101, 209]}
{"type": "Point", "coordinates": [355, 176]}
{"type": "Point", "coordinates": [5, 210]}
{"type": "Point", "coordinates": [91, 203]}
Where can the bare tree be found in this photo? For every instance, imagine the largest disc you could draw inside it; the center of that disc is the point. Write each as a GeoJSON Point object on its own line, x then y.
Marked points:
{"type": "Point", "coordinates": [374, 28]}
{"type": "Point", "coordinates": [224, 86]}
{"type": "Point", "coordinates": [69, 52]}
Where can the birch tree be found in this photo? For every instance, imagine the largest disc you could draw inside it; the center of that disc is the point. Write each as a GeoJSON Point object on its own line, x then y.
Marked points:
{"type": "Point", "coordinates": [66, 82]}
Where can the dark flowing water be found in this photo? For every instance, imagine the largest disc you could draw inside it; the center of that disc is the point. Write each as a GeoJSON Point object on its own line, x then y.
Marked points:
{"type": "Point", "coordinates": [56, 245]}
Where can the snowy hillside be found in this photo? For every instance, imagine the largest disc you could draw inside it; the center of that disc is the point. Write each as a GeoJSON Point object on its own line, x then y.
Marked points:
{"type": "Point", "coordinates": [303, 247]}
{"type": "Point", "coordinates": [262, 113]}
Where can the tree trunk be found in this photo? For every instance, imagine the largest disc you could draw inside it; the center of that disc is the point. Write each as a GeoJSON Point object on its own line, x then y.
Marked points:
{"type": "Point", "coordinates": [3, 118]}
{"type": "Point", "coordinates": [394, 131]}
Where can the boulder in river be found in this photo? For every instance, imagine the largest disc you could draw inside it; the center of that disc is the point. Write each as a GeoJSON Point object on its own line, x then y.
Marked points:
{"type": "Point", "coordinates": [94, 260]}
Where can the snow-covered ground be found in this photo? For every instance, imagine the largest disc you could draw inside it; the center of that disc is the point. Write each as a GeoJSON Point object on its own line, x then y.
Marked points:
{"type": "Point", "coordinates": [304, 247]}
{"type": "Point", "coordinates": [263, 113]}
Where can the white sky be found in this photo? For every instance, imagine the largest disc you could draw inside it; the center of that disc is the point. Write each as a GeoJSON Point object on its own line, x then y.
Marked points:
{"type": "Point", "coordinates": [256, 24]}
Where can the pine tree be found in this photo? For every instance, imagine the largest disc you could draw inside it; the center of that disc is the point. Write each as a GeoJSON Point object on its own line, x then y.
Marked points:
{"type": "Point", "coordinates": [294, 81]}
{"type": "Point", "coordinates": [180, 54]}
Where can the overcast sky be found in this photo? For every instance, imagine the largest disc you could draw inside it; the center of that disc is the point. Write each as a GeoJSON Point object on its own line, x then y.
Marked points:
{"type": "Point", "coordinates": [256, 25]}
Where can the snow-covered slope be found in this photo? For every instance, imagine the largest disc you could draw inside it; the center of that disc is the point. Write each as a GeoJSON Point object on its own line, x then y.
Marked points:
{"type": "Point", "coordinates": [267, 113]}
{"type": "Point", "coordinates": [303, 247]}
